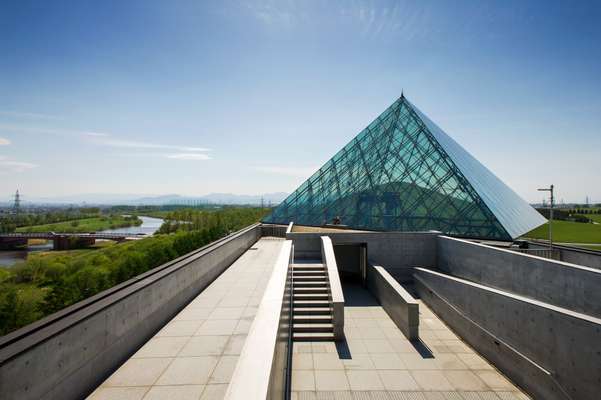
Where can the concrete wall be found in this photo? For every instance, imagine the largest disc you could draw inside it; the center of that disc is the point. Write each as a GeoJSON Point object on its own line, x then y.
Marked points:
{"type": "Point", "coordinates": [566, 285]}
{"type": "Point", "coordinates": [564, 343]}
{"type": "Point", "coordinates": [261, 371]}
{"type": "Point", "coordinates": [336, 294]}
{"type": "Point", "coordinates": [402, 308]}
{"type": "Point", "coordinates": [588, 258]}
{"type": "Point", "coordinates": [69, 354]}
{"type": "Point", "coordinates": [397, 251]}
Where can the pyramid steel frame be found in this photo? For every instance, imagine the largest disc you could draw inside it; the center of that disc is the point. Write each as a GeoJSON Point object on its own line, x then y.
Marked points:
{"type": "Point", "coordinates": [393, 176]}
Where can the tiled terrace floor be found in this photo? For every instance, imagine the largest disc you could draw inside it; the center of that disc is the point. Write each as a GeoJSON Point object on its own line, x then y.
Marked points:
{"type": "Point", "coordinates": [194, 355]}
{"type": "Point", "coordinates": [378, 362]}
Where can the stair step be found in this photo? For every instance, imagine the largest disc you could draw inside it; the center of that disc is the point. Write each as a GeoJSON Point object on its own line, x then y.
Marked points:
{"type": "Point", "coordinates": [308, 267]}
{"type": "Point", "coordinates": [312, 319]}
{"type": "Point", "coordinates": [310, 296]}
{"type": "Point", "coordinates": [313, 336]}
{"type": "Point", "coordinates": [312, 311]}
{"type": "Point", "coordinates": [312, 327]}
{"type": "Point", "coordinates": [314, 290]}
{"type": "Point", "coordinates": [309, 274]}
{"type": "Point", "coordinates": [311, 304]}
{"type": "Point", "coordinates": [307, 284]}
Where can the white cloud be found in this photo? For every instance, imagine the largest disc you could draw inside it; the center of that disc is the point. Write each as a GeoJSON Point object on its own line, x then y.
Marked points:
{"type": "Point", "coordinates": [104, 139]}
{"type": "Point", "coordinates": [189, 156]}
{"type": "Point", "coordinates": [10, 166]}
{"type": "Point", "coordinates": [18, 114]}
{"type": "Point", "coordinates": [145, 145]}
{"type": "Point", "coordinates": [4, 142]}
{"type": "Point", "coordinates": [302, 172]}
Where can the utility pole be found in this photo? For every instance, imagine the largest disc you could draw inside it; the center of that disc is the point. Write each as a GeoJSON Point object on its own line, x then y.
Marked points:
{"type": "Point", "coordinates": [550, 190]}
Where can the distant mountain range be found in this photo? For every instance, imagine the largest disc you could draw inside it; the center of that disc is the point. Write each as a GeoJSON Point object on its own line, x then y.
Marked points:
{"type": "Point", "coordinates": [133, 199]}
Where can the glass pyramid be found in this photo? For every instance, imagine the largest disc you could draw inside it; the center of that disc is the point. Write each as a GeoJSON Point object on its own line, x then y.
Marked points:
{"type": "Point", "coordinates": [403, 173]}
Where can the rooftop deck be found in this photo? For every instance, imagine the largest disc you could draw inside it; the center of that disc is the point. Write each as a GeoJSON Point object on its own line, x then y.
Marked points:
{"type": "Point", "coordinates": [194, 355]}
{"type": "Point", "coordinates": [377, 362]}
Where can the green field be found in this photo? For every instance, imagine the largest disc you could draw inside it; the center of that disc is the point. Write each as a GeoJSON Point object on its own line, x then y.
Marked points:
{"type": "Point", "coordinates": [569, 232]}
{"type": "Point", "coordinates": [85, 225]}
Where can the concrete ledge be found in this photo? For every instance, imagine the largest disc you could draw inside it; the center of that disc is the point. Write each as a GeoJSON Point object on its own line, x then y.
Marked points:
{"type": "Point", "coordinates": [398, 251]}
{"type": "Point", "coordinates": [257, 377]}
{"type": "Point", "coordinates": [328, 258]}
{"type": "Point", "coordinates": [564, 343]}
{"type": "Point", "coordinates": [569, 286]}
{"type": "Point", "coordinates": [402, 308]}
{"type": "Point", "coordinates": [68, 354]}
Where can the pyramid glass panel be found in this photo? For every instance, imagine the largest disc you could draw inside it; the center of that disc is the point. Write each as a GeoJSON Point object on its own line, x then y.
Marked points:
{"type": "Point", "coordinates": [398, 175]}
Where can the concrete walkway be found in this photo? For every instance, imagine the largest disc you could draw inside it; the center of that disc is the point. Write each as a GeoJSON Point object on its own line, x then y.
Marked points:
{"type": "Point", "coordinates": [194, 355]}
{"type": "Point", "coordinates": [377, 362]}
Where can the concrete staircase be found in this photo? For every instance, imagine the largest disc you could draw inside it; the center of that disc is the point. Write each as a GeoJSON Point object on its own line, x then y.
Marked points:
{"type": "Point", "coordinates": [312, 319]}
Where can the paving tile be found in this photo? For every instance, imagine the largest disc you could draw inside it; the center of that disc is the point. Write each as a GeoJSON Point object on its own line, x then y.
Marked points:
{"type": "Point", "coordinates": [474, 361]}
{"type": "Point", "coordinates": [303, 380]}
{"type": "Point", "coordinates": [398, 380]}
{"type": "Point", "coordinates": [118, 393]}
{"type": "Point", "coordinates": [432, 380]}
{"type": "Point", "coordinates": [465, 380]}
{"type": "Point", "coordinates": [450, 362]}
{"type": "Point", "coordinates": [188, 371]}
{"type": "Point", "coordinates": [403, 346]}
{"type": "Point", "coordinates": [214, 392]}
{"type": "Point", "coordinates": [434, 396]}
{"type": "Point", "coordinates": [224, 370]}
{"type": "Point", "coordinates": [331, 380]}
{"type": "Point", "coordinates": [418, 362]}
{"type": "Point", "coordinates": [217, 327]}
{"type": "Point", "coordinates": [358, 361]}
{"type": "Point", "coordinates": [327, 361]}
{"type": "Point", "coordinates": [495, 381]}
{"type": "Point", "coordinates": [378, 346]}
{"type": "Point", "coordinates": [226, 313]}
{"type": "Point", "coordinates": [181, 392]}
{"type": "Point", "coordinates": [243, 327]}
{"type": "Point", "coordinates": [387, 361]}
{"type": "Point", "coordinates": [324, 347]}
{"type": "Point", "coordinates": [302, 361]}
{"type": "Point", "coordinates": [356, 346]}
{"type": "Point", "coordinates": [306, 395]}
{"type": "Point", "coordinates": [180, 328]}
{"type": "Point", "coordinates": [234, 345]}
{"type": "Point", "coordinates": [193, 314]}
{"type": "Point", "coordinates": [364, 380]}
{"type": "Point", "coordinates": [204, 345]}
{"type": "Point", "coordinates": [371, 332]}
{"type": "Point", "coordinates": [161, 347]}
{"type": "Point", "coordinates": [489, 395]}
{"type": "Point", "coordinates": [138, 372]}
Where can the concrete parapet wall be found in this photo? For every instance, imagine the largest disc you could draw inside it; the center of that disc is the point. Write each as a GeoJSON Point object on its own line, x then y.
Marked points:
{"type": "Point", "coordinates": [398, 251]}
{"type": "Point", "coordinates": [337, 296]}
{"type": "Point", "coordinates": [588, 258]}
{"type": "Point", "coordinates": [402, 308]}
{"type": "Point", "coordinates": [68, 354]}
{"type": "Point", "coordinates": [565, 344]}
{"type": "Point", "coordinates": [570, 286]}
{"type": "Point", "coordinates": [261, 369]}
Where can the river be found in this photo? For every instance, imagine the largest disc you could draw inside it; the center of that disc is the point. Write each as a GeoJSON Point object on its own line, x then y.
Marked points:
{"type": "Point", "coordinates": [149, 226]}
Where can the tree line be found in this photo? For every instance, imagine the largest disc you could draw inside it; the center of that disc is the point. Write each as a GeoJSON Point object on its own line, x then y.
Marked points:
{"type": "Point", "coordinates": [49, 282]}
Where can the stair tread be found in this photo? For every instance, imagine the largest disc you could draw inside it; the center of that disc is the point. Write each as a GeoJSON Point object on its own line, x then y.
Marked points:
{"type": "Point", "coordinates": [312, 336]}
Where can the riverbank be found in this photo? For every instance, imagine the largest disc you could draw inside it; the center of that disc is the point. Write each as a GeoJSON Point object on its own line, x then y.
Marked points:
{"type": "Point", "coordinates": [95, 224]}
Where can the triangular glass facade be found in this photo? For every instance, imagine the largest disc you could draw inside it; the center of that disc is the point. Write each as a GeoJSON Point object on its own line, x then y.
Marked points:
{"type": "Point", "coordinates": [396, 176]}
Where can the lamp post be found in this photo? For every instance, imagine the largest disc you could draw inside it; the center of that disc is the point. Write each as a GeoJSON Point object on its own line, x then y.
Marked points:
{"type": "Point", "coordinates": [550, 189]}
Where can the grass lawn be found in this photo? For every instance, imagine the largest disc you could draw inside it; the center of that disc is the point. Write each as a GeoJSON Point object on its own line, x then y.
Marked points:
{"type": "Point", "coordinates": [83, 225]}
{"type": "Point", "coordinates": [568, 232]}
{"type": "Point", "coordinates": [594, 217]}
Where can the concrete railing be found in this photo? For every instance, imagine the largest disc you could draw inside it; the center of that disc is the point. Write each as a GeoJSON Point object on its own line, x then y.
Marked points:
{"type": "Point", "coordinates": [337, 296]}
{"type": "Point", "coordinates": [570, 286]}
{"type": "Point", "coordinates": [68, 354]}
{"type": "Point", "coordinates": [261, 369]}
{"type": "Point", "coordinates": [552, 352]}
{"type": "Point", "coordinates": [402, 308]}
{"type": "Point", "coordinates": [289, 229]}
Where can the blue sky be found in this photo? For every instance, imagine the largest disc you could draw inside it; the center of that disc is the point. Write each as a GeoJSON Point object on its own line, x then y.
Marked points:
{"type": "Point", "coordinates": [194, 97]}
